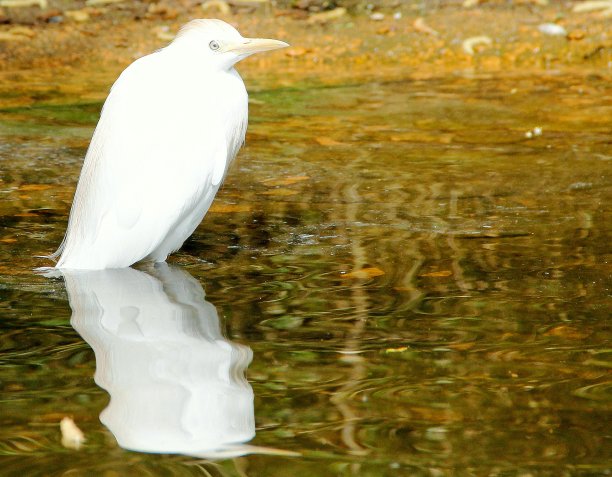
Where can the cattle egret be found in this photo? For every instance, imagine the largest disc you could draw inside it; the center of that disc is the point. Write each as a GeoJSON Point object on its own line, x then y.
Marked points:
{"type": "Point", "coordinates": [171, 125]}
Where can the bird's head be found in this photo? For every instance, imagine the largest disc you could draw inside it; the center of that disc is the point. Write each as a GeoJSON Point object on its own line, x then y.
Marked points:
{"type": "Point", "coordinates": [220, 43]}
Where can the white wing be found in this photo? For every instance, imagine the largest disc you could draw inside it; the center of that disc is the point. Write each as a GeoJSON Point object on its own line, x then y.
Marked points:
{"type": "Point", "coordinates": [155, 162]}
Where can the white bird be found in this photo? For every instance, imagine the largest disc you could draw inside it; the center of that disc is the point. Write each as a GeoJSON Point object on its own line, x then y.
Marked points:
{"type": "Point", "coordinates": [171, 125]}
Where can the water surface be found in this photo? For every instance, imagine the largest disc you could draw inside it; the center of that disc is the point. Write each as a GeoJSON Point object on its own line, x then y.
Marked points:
{"type": "Point", "coordinates": [423, 290]}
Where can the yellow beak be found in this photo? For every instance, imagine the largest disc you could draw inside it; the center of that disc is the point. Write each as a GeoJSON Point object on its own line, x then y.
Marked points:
{"type": "Point", "coordinates": [255, 45]}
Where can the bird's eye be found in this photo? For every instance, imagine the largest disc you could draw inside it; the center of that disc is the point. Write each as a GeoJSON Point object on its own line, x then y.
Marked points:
{"type": "Point", "coordinates": [214, 45]}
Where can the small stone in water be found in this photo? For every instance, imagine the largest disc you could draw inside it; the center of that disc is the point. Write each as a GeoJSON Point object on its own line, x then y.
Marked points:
{"type": "Point", "coordinates": [72, 436]}
{"type": "Point", "coordinates": [377, 16]}
{"type": "Point", "coordinates": [580, 185]}
{"type": "Point", "coordinates": [537, 131]}
{"type": "Point", "coordinates": [552, 29]}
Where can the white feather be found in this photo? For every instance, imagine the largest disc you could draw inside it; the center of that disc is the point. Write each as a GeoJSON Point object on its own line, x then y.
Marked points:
{"type": "Point", "coordinates": [171, 125]}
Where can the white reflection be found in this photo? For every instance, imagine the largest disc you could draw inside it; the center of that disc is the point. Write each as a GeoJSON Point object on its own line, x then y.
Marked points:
{"type": "Point", "coordinates": [176, 384]}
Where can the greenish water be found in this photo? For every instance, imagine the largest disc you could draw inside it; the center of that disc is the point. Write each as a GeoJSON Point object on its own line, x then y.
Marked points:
{"type": "Point", "coordinates": [410, 285]}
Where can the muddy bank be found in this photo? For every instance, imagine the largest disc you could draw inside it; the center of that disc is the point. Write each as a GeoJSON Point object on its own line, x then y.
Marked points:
{"type": "Point", "coordinates": [79, 50]}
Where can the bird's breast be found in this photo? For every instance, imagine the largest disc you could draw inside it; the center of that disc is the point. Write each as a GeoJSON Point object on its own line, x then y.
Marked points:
{"type": "Point", "coordinates": [206, 123]}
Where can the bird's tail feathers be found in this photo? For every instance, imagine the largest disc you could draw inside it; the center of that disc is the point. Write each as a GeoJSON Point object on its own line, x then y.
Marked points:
{"type": "Point", "coordinates": [55, 255]}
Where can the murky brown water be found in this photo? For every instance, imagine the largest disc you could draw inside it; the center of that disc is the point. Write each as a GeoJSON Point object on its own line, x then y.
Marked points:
{"type": "Point", "coordinates": [424, 290]}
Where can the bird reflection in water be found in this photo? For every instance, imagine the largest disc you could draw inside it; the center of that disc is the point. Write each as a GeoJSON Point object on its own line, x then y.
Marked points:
{"type": "Point", "coordinates": [176, 384]}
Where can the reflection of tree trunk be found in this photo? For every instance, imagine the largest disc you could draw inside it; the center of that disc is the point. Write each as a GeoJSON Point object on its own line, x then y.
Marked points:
{"type": "Point", "coordinates": [457, 268]}
{"type": "Point", "coordinates": [341, 398]}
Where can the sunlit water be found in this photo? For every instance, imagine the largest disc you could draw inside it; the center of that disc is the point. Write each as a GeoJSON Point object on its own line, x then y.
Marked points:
{"type": "Point", "coordinates": [411, 285]}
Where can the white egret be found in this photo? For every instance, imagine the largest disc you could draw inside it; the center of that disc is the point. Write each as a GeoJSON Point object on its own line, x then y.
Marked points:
{"type": "Point", "coordinates": [171, 125]}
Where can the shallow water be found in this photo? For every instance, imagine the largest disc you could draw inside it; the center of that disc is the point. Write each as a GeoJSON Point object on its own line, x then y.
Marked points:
{"type": "Point", "coordinates": [422, 289]}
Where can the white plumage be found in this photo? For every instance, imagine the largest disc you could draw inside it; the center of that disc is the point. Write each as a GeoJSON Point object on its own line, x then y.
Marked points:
{"type": "Point", "coordinates": [171, 125]}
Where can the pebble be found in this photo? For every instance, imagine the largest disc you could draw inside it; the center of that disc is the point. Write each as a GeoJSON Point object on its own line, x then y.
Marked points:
{"type": "Point", "coordinates": [217, 5]}
{"type": "Point", "coordinates": [23, 3]}
{"type": "Point", "coordinates": [581, 185]}
{"type": "Point", "coordinates": [591, 6]}
{"type": "Point", "coordinates": [18, 33]}
{"type": "Point", "coordinates": [469, 44]}
{"type": "Point", "coordinates": [324, 17]}
{"type": "Point", "coordinates": [552, 29]}
{"type": "Point", "coordinates": [537, 131]}
{"type": "Point", "coordinates": [77, 15]}
{"type": "Point", "coordinates": [72, 436]}
{"type": "Point", "coordinates": [91, 3]}
{"type": "Point", "coordinates": [163, 33]}
{"type": "Point", "coordinates": [420, 26]}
